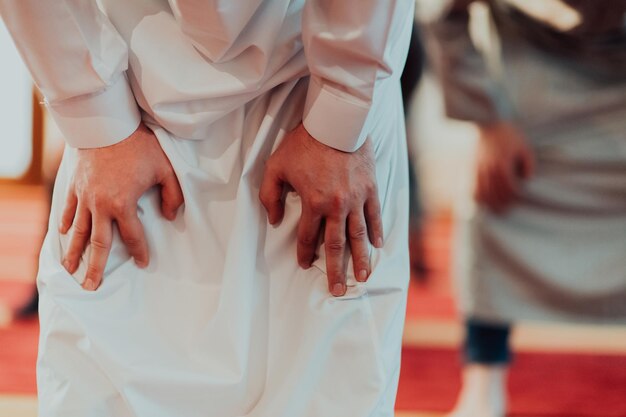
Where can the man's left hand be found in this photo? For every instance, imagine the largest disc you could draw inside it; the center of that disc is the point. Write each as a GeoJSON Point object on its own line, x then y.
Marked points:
{"type": "Point", "coordinates": [339, 198]}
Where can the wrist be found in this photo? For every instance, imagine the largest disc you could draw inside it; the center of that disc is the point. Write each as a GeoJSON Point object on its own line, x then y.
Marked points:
{"type": "Point", "coordinates": [497, 131]}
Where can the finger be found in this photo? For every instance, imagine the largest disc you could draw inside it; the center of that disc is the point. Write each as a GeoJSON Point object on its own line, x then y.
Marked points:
{"type": "Point", "coordinates": [171, 196]}
{"type": "Point", "coordinates": [101, 237]}
{"type": "Point", "coordinates": [335, 244]}
{"type": "Point", "coordinates": [308, 236]}
{"type": "Point", "coordinates": [374, 220]}
{"type": "Point", "coordinates": [133, 236]}
{"type": "Point", "coordinates": [357, 233]}
{"type": "Point", "coordinates": [271, 196]}
{"type": "Point", "coordinates": [67, 218]}
{"type": "Point", "coordinates": [81, 230]}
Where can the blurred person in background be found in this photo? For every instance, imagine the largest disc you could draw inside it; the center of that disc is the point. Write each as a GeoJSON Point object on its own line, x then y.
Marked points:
{"type": "Point", "coordinates": [216, 234]}
{"type": "Point", "coordinates": [411, 76]}
{"type": "Point", "coordinates": [545, 83]}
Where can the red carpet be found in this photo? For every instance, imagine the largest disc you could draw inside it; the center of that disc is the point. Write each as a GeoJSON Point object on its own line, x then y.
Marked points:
{"type": "Point", "coordinates": [563, 385]}
{"type": "Point", "coordinates": [18, 344]}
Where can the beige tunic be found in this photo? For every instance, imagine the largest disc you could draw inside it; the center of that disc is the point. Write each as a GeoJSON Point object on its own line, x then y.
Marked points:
{"type": "Point", "coordinates": [560, 253]}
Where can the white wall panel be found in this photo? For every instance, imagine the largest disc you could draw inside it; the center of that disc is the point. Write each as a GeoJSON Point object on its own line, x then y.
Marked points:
{"type": "Point", "coordinates": [15, 110]}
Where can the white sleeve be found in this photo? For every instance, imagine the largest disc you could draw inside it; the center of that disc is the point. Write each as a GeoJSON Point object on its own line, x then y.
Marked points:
{"type": "Point", "coordinates": [348, 45]}
{"type": "Point", "coordinates": [78, 61]}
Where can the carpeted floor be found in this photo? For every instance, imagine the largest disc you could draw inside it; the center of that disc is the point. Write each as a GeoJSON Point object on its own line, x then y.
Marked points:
{"type": "Point", "coordinates": [563, 385]}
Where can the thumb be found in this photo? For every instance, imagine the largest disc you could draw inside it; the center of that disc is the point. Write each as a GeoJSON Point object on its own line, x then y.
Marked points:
{"type": "Point", "coordinates": [171, 196]}
{"type": "Point", "coordinates": [271, 196]}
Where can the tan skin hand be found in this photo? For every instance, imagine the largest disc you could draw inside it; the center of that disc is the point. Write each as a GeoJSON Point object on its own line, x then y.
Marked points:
{"type": "Point", "coordinates": [504, 161]}
{"type": "Point", "coordinates": [104, 191]}
{"type": "Point", "coordinates": [339, 199]}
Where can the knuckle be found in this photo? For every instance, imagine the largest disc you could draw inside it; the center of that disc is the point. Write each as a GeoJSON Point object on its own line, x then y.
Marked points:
{"type": "Point", "coordinates": [338, 201]}
{"type": "Point", "coordinates": [336, 245]}
{"type": "Point", "coordinates": [98, 243]}
{"type": "Point", "coordinates": [119, 205]}
{"type": "Point", "coordinates": [363, 260]}
{"type": "Point", "coordinates": [85, 197]}
{"type": "Point", "coordinates": [316, 204]}
{"type": "Point", "coordinates": [80, 230]}
{"type": "Point", "coordinates": [307, 240]}
{"type": "Point", "coordinates": [358, 233]}
{"type": "Point", "coordinates": [335, 274]}
{"type": "Point", "coordinates": [100, 199]}
{"type": "Point", "coordinates": [131, 241]}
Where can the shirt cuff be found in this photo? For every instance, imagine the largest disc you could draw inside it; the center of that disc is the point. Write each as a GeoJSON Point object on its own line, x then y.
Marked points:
{"type": "Point", "coordinates": [99, 119]}
{"type": "Point", "coordinates": [334, 120]}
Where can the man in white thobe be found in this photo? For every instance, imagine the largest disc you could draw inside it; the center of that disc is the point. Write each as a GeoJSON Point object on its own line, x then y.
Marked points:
{"type": "Point", "coordinates": [168, 287]}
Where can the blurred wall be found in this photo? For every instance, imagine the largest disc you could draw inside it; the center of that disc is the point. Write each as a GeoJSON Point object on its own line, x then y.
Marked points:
{"type": "Point", "coordinates": [15, 110]}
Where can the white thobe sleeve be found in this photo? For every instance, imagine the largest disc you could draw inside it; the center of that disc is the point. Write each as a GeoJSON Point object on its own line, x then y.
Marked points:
{"type": "Point", "coordinates": [348, 45]}
{"type": "Point", "coordinates": [78, 61]}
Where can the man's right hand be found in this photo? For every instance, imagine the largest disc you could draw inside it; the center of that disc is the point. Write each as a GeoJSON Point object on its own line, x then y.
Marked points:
{"type": "Point", "coordinates": [105, 188]}
{"type": "Point", "coordinates": [504, 160]}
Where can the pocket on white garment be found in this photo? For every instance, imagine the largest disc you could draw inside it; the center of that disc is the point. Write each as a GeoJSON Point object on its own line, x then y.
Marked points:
{"type": "Point", "coordinates": [117, 257]}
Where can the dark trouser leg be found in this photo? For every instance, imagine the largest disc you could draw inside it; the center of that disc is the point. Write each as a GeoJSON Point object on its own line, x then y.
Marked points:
{"type": "Point", "coordinates": [487, 343]}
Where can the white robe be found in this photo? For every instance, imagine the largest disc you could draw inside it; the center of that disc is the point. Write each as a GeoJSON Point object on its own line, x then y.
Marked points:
{"type": "Point", "coordinates": [223, 322]}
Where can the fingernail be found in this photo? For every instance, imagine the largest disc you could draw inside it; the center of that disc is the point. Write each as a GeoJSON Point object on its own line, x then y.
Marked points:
{"type": "Point", "coordinates": [66, 265]}
{"type": "Point", "coordinates": [141, 264]}
{"type": "Point", "coordinates": [379, 242]}
{"type": "Point", "coordinates": [62, 228]}
{"type": "Point", "coordinates": [89, 285]}
{"type": "Point", "coordinates": [338, 290]}
{"type": "Point", "coordinates": [362, 275]}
